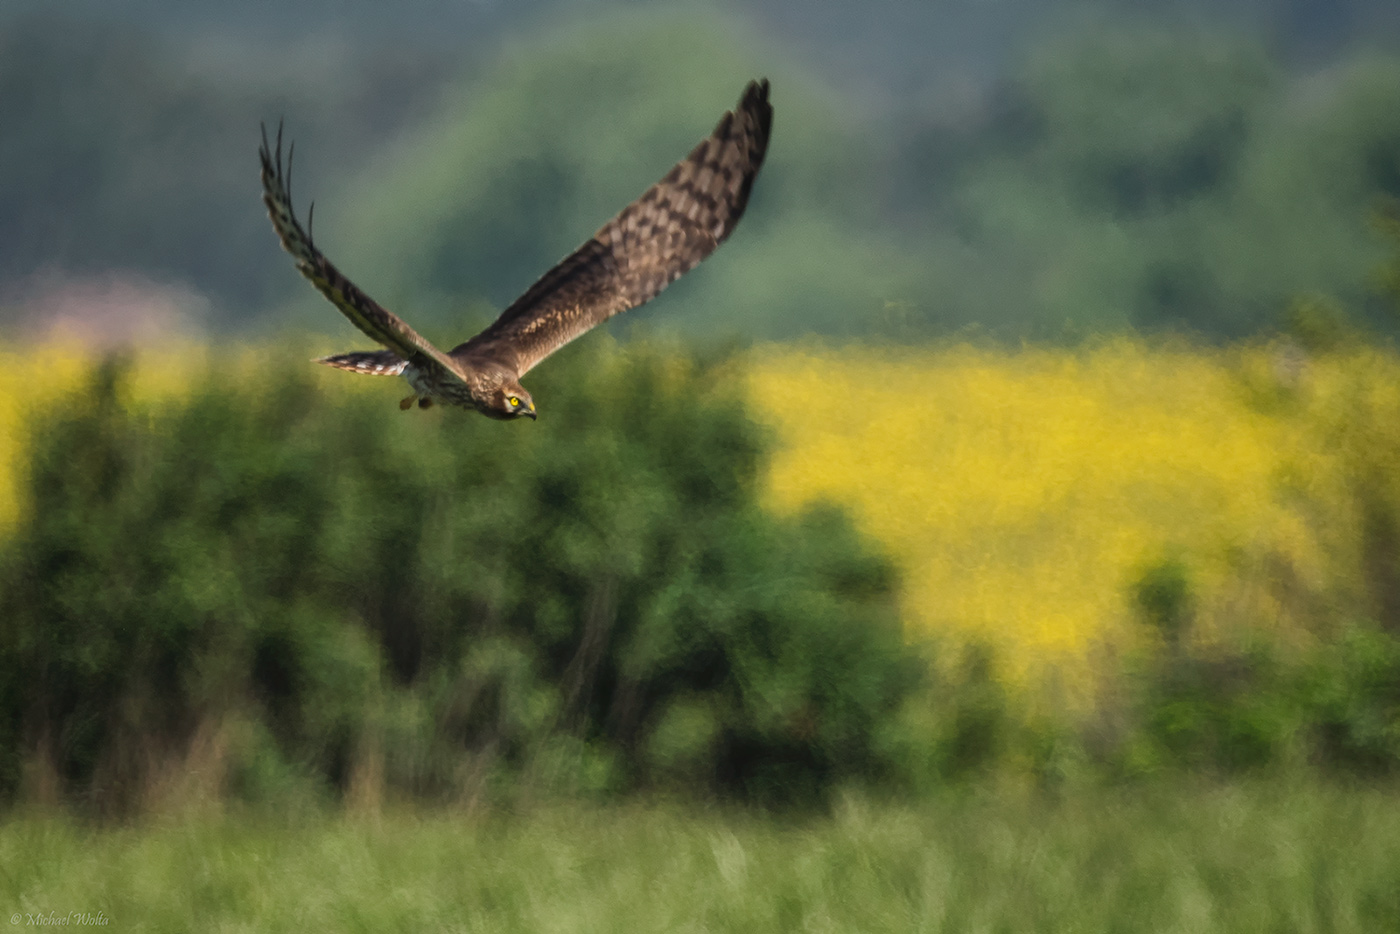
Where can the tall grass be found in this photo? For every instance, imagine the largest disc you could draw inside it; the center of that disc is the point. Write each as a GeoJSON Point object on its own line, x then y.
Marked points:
{"type": "Point", "coordinates": [1241, 858]}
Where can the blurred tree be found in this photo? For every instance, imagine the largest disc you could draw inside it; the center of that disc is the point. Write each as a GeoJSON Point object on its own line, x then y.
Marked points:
{"type": "Point", "coordinates": [520, 166]}
{"type": "Point", "coordinates": [459, 608]}
{"type": "Point", "coordinates": [126, 150]}
{"type": "Point", "coordinates": [1388, 223]}
{"type": "Point", "coordinates": [1100, 156]}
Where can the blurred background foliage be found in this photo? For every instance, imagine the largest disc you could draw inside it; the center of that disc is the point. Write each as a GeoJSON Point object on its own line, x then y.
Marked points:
{"type": "Point", "coordinates": [271, 588]}
{"type": "Point", "coordinates": [1082, 471]}
{"type": "Point", "coordinates": [236, 579]}
{"type": "Point", "coordinates": [1043, 171]}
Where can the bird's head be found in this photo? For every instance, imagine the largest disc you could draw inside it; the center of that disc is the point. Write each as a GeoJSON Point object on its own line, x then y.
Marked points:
{"type": "Point", "coordinates": [511, 401]}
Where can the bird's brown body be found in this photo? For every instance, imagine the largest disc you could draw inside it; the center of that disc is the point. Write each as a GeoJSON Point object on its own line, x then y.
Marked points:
{"type": "Point", "coordinates": [668, 230]}
{"type": "Point", "coordinates": [480, 384]}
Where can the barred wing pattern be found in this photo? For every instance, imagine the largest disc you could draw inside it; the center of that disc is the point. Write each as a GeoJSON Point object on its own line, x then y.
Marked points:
{"type": "Point", "coordinates": [364, 312]}
{"type": "Point", "coordinates": [668, 230]}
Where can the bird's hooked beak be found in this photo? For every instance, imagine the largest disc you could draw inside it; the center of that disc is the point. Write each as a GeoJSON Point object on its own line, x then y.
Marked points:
{"type": "Point", "coordinates": [530, 412]}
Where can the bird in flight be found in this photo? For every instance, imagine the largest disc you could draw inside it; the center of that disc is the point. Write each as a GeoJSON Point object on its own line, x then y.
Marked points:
{"type": "Point", "coordinates": [668, 230]}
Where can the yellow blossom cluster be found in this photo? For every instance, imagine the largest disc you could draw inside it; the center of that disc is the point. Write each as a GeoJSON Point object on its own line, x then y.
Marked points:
{"type": "Point", "coordinates": [1024, 492]}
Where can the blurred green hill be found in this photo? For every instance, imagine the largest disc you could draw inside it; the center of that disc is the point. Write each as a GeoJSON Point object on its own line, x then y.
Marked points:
{"type": "Point", "coordinates": [519, 167]}
{"type": "Point", "coordinates": [1138, 178]}
{"type": "Point", "coordinates": [1146, 172]}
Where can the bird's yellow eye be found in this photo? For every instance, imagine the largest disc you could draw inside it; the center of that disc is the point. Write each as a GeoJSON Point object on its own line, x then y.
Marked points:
{"type": "Point", "coordinates": [514, 401]}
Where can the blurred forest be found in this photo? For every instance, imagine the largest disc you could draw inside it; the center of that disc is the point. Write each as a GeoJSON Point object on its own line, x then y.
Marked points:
{"type": "Point", "coordinates": [1014, 169]}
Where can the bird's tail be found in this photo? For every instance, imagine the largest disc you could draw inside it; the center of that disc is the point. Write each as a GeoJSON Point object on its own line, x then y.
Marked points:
{"type": "Point", "coordinates": [369, 362]}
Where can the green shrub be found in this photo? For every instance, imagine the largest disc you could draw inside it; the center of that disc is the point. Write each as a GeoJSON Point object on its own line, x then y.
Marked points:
{"type": "Point", "coordinates": [1253, 705]}
{"type": "Point", "coordinates": [964, 727]}
{"type": "Point", "coordinates": [1162, 597]}
{"type": "Point", "coordinates": [435, 605]}
{"type": "Point", "coordinates": [1354, 689]}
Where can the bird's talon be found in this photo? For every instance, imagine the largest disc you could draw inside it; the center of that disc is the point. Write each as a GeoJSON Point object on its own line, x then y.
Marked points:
{"type": "Point", "coordinates": [425, 403]}
{"type": "Point", "coordinates": [406, 404]}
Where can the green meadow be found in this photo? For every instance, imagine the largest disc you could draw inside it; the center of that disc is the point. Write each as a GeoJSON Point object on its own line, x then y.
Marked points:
{"type": "Point", "coordinates": [1235, 857]}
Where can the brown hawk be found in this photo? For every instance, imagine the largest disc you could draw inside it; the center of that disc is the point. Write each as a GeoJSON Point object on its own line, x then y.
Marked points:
{"type": "Point", "coordinates": [668, 230]}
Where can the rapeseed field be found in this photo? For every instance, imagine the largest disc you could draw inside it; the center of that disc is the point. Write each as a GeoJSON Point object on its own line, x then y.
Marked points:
{"type": "Point", "coordinates": [29, 379]}
{"type": "Point", "coordinates": [1023, 492]}
{"type": "Point", "coordinates": [37, 377]}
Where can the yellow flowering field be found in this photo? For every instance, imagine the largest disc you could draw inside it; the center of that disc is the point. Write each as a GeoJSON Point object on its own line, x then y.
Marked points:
{"type": "Point", "coordinates": [1023, 492]}
{"type": "Point", "coordinates": [34, 377]}
{"type": "Point", "coordinates": [22, 394]}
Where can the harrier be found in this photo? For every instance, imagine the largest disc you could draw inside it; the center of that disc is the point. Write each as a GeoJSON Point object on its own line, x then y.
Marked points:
{"type": "Point", "coordinates": [668, 230]}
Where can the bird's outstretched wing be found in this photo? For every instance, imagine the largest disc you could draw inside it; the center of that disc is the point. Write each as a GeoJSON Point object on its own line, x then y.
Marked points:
{"type": "Point", "coordinates": [364, 312]}
{"type": "Point", "coordinates": [668, 230]}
